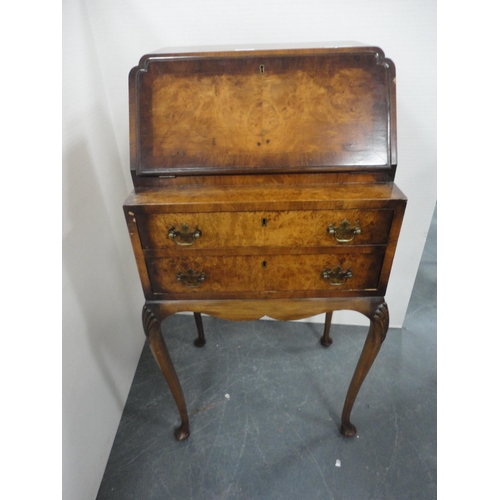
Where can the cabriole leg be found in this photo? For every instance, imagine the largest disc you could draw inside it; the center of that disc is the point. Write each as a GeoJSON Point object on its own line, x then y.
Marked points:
{"type": "Point", "coordinates": [379, 323]}
{"type": "Point", "coordinates": [158, 347]}
{"type": "Point", "coordinates": [200, 341]}
{"type": "Point", "coordinates": [325, 339]}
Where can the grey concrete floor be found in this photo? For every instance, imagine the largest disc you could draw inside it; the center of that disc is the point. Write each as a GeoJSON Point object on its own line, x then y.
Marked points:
{"type": "Point", "coordinates": [265, 400]}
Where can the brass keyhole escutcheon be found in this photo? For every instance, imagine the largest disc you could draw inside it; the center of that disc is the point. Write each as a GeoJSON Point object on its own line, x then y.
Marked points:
{"type": "Point", "coordinates": [264, 222]}
{"type": "Point", "coordinates": [261, 69]}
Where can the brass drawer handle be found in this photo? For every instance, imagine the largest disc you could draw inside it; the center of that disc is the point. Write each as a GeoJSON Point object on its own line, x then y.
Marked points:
{"type": "Point", "coordinates": [336, 276]}
{"type": "Point", "coordinates": [344, 233]}
{"type": "Point", "coordinates": [191, 279]}
{"type": "Point", "coordinates": [184, 236]}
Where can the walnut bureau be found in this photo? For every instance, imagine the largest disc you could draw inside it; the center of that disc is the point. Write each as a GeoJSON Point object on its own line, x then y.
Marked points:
{"type": "Point", "coordinates": [264, 185]}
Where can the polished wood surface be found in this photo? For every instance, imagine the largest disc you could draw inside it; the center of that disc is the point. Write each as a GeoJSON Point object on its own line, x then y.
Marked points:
{"type": "Point", "coordinates": [276, 179]}
{"type": "Point", "coordinates": [294, 242]}
{"type": "Point", "coordinates": [373, 308]}
{"type": "Point", "coordinates": [264, 187]}
{"type": "Point", "coordinates": [264, 273]}
{"type": "Point", "coordinates": [379, 324]}
{"type": "Point", "coordinates": [152, 329]}
{"type": "Point", "coordinates": [299, 110]}
{"type": "Point", "coordinates": [304, 228]}
{"type": "Point", "coordinates": [305, 196]}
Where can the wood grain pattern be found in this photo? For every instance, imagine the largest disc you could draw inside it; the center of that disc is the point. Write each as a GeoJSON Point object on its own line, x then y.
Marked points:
{"type": "Point", "coordinates": [261, 152]}
{"type": "Point", "coordinates": [228, 113]}
{"type": "Point", "coordinates": [307, 228]}
{"type": "Point", "coordinates": [279, 309]}
{"type": "Point", "coordinates": [215, 198]}
{"type": "Point", "coordinates": [285, 115]}
{"type": "Point", "coordinates": [243, 273]}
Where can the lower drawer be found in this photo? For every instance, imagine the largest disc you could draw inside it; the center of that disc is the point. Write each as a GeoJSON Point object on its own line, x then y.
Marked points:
{"type": "Point", "coordinates": [216, 275]}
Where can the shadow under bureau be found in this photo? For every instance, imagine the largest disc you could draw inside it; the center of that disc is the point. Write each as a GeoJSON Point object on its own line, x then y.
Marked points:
{"type": "Point", "coordinates": [263, 186]}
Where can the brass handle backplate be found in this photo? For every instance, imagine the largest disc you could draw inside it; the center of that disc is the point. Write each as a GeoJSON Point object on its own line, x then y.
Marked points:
{"type": "Point", "coordinates": [344, 232]}
{"type": "Point", "coordinates": [336, 276]}
{"type": "Point", "coordinates": [184, 236]}
{"type": "Point", "coordinates": [191, 278]}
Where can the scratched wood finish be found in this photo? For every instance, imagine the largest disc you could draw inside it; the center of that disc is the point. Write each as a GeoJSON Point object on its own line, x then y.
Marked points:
{"type": "Point", "coordinates": [257, 229]}
{"type": "Point", "coordinates": [264, 273]}
{"type": "Point", "coordinates": [305, 110]}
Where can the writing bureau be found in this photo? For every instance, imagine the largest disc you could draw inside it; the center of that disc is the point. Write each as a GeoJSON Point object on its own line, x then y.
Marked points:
{"type": "Point", "coordinates": [264, 185]}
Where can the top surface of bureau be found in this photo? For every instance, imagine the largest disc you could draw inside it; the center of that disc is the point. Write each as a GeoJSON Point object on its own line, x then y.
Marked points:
{"type": "Point", "coordinates": [186, 198]}
{"type": "Point", "coordinates": [234, 112]}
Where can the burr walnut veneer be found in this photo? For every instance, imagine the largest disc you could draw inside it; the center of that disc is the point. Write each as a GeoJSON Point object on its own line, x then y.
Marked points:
{"type": "Point", "coordinates": [264, 186]}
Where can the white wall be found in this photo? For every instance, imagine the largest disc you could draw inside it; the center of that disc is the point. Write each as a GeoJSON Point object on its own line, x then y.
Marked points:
{"type": "Point", "coordinates": [102, 334]}
{"type": "Point", "coordinates": [102, 40]}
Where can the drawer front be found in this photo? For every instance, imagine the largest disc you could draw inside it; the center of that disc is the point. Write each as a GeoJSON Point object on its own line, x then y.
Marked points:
{"type": "Point", "coordinates": [216, 275]}
{"type": "Point", "coordinates": [310, 228]}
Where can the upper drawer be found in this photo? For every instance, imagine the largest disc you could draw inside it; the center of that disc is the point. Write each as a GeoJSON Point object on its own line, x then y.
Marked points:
{"type": "Point", "coordinates": [310, 228]}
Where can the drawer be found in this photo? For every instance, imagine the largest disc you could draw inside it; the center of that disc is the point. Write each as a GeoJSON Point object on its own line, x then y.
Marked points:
{"type": "Point", "coordinates": [219, 275]}
{"type": "Point", "coordinates": [308, 228]}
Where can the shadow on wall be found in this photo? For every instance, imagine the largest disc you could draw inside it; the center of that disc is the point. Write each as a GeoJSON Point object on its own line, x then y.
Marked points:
{"type": "Point", "coordinates": [98, 261]}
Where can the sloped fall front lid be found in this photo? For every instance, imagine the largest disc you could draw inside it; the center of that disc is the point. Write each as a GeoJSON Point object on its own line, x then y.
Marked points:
{"type": "Point", "coordinates": [298, 110]}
